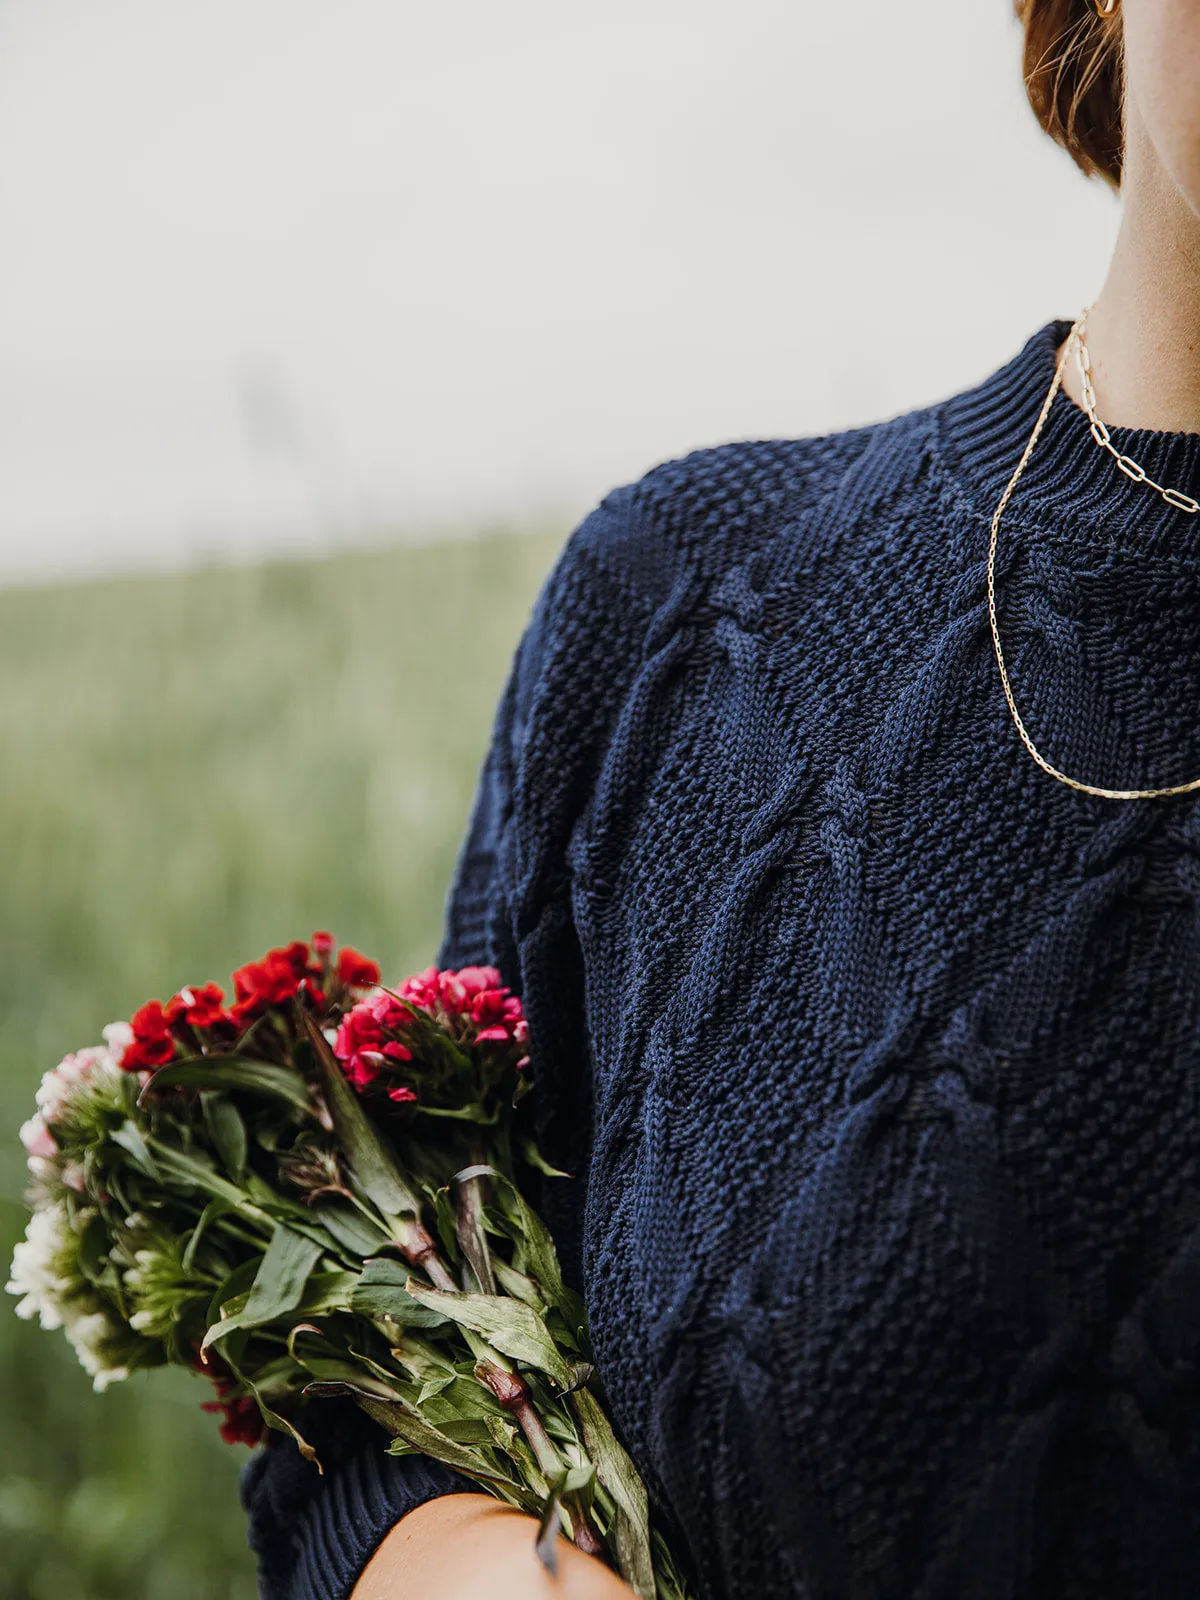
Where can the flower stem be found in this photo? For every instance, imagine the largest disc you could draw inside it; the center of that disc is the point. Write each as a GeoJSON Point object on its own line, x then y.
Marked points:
{"type": "Point", "coordinates": [419, 1250]}
{"type": "Point", "coordinates": [513, 1394]}
{"type": "Point", "coordinates": [472, 1237]}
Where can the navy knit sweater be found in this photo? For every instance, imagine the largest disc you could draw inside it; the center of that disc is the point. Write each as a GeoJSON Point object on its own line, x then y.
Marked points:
{"type": "Point", "coordinates": [874, 1049]}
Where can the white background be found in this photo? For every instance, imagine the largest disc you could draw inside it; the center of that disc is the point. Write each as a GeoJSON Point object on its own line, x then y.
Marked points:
{"type": "Point", "coordinates": [281, 274]}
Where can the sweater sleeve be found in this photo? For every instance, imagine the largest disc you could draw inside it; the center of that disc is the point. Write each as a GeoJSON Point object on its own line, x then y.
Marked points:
{"type": "Point", "coordinates": [313, 1534]}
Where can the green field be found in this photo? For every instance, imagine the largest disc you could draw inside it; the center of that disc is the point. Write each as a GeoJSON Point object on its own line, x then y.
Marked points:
{"type": "Point", "coordinates": [193, 769]}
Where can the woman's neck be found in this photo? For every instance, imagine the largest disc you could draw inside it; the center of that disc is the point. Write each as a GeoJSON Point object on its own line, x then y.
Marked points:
{"type": "Point", "coordinates": [1144, 334]}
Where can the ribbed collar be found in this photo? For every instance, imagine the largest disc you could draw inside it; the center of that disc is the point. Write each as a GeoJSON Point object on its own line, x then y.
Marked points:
{"type": "Point", "coordinates": [1070, 487]}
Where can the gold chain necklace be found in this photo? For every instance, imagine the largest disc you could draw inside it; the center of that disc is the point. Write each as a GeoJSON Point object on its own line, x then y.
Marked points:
{"type": "Point", "coordinates": [1131, 469]}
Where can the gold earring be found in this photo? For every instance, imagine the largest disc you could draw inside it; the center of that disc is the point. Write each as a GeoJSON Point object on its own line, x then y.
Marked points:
{"type": "Point", "coordinates": [1105, 8]}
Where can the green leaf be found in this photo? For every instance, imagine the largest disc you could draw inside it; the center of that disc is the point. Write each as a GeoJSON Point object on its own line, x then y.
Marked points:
{"type": "Point", "coordinates": [130, 1138]}
{"type": "Point", "coordinates": [273, 1419]}
{"type": "Point", "coordinates": [431, 1387]}
{"type": "Point", "coordinates": [349, 1228]}
{"type": "Point", "coordinates": [469, 1228]}
{"type": "Point", "coordinates": [467, 1430]}
{"type": "Point", "coordinates": [537, 1257]}
{"type": "Point", "coordinates": [577, 1485]}
{"type": "Point", "coordinates": [196, 1172]}
{"type": "Point", "coordinates": [326, 1292]}
{"type": "Point", "coordinates": [518, 1285]}
{"type": "Point", "coordinates": [214, 1209]}
{"type": "Point", "coordinates": [503, 1434]}
{"type": "Point", "coordinates": [380, 1292]}
{"type": "Point", "coordinates": [237, 1283]}
{"type": "Point", "coordinates": [573, 1484]}
{"type": "Point", "coordinates": [278, 1284]}
{"type": "Point", "coordinates": [511, 1326]}
{"type": "Point", "coordinates": [394, 1382]}
{"type": "Point", "coordinates": [446, 1221]}
{"type": "Point", "coordinates": [93, 1243]}
{"type": "Point", "coordinates": [333, 1370]}
{"type": "Point", "coordinates": [281, 1377]}
{"type": "Point", "coordinates": [546, 1544]}
{"type": "Point", "coordinates": [226, 1130]}
{"type": "Point", "coordinates": [471, 1113]}
{"type": "Point", "coordinates": [421, 1360]}
{"type": "Point", "coordinates": [285, 1207]}
{"type": "Point", "coordinates": [374, 1164]}
{"type": "Point", "coordinates": [239, 1074]}
{"type": "Point", "coordinates": [465, 1399]}
{"type": "Point", "coordinates": [534, 1158]}
{"type": "Point", "coordinates": [576, 1479]}
{"type": "Point", "coordinates": [620, 1477]}
{"type": "Point", "coordinates": [405, 1422]}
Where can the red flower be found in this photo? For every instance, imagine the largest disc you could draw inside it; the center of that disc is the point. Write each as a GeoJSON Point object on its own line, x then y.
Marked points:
{"type": "Point", "coordinates": [152, 1044]}
{"type": "Point", "coordinates": [242, 1421]}
{"type": "Point", "coordinates": [357, 971]}
{"type": "Point", "coordinates": [322, 944]}
{"type": "Point", "coordinates": [201, 1008]}
{"type": "Point", "coordinates": [296, 956]}
{"type": "Point", "coordinates": [270, 982]}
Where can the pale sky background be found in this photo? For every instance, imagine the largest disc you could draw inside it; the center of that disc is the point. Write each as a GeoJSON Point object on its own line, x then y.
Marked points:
{"type": "Point", "coordinates": [282, 274]}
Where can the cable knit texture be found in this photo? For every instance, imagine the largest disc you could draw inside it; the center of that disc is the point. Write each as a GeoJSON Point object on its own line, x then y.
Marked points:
{"type": "Point", "coordinates": [873, 1049]}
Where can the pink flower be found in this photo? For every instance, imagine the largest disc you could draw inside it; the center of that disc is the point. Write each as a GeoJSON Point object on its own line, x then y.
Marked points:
{"type": "Point", "coordinates": [471, 1004]}
{"type": "Point", "coordinates": [73, 1177]}
{"type": "Point", "coordinates": [473, 995]}
{"type": "Point", "coordinates": [362, 1067]}
{"type": "Point", "coordinates": [449, 991]}
{"type": "Point", "coordinates": [37, 1138]}
{"type": "Point", "coordinates": [363, 1044]}
{"type": "Point", "coordinates": [421, 987]}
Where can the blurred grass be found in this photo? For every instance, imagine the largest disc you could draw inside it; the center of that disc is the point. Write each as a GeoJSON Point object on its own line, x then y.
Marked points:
{"type": "Point", "coordinates": [193, 769]}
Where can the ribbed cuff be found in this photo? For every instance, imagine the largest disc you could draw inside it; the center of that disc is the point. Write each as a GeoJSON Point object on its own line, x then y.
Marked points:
{"type": "Point", "coordinates": [313, 1535]}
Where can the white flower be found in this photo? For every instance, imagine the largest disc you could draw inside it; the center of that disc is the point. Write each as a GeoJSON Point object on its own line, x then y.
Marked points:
{"type": "Point", "coordinates": [73, 1176]}
{"type": "Point", "coordinates": [94, 1335]}
{"type": "Point", "coordinates": [159, 1289]}
{"type": "Point", "coordinates": [41, 1267]}
{"type": "Point", "coordinates": [43, 1157]}
{"type": "Point", "coordinates": [76, 1101]}
{"type": "Point", "coordinates": [55, 1088]}
{"type": "Point", "coordinates": [118, 1036]}
{"type": "Point", "coordinates": [45, 1272]}
{"type": "Point", "coordinates": [97, 1066]}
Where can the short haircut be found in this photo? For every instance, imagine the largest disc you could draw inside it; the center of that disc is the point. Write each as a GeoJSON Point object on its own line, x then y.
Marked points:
{"type": "Point", "coordinates": [1074, 77]}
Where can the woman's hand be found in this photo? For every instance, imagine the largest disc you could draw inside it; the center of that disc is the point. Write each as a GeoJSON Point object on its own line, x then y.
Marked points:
{"type": "Point", "coordinates": [471, 1547]}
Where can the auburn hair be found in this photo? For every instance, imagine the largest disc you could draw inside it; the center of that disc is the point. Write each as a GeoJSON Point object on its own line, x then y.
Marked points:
{"type": "Point", "coordinates": [1074, 77]}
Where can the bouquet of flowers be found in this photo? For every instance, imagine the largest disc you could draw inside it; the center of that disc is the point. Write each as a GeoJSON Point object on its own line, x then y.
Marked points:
{"type": "Point", "coordinates": [313, 1191]}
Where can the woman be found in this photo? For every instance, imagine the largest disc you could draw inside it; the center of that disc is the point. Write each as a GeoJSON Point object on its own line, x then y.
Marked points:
{"type": "Point", "coordinates": [865, 1013]}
